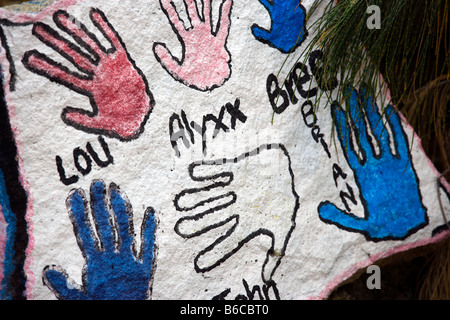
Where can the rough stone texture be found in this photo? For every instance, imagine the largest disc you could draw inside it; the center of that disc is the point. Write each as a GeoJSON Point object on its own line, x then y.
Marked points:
{"type": "Point", "coordinates": [319, 254]}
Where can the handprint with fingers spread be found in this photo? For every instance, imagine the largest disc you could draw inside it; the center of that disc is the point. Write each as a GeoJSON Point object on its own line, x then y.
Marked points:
{"type": "Point", "coordinates": [387, 181]}
{"type": "Point", "coordinates": [114, 269]}
{"type": "Point", "coordinates": [118, 91]}
{"type": "Point", "coordinates": [205, 63]}
{"type": "Point", "coordinates": [252, 195]}
{"type": "Point", "coordinates": [288, 29]}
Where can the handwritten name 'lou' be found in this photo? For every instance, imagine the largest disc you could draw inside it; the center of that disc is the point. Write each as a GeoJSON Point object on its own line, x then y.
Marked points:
{"type": "Point", "coordinates": [82, 159]}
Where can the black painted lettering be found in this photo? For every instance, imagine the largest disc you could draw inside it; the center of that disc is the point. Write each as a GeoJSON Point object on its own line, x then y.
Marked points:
{"type": "Point", "coordinates": [275, 93]}
{"type": "Point", "coordinates": [62, 173]}
{"type": "Point", "coordinates": [83, 161]}
{"type": "Point", "coordinates": [319, 137]}
{"type": "Point", "coordinates": [271, 285]}
{"type": "Point", "coordinates": [187, 129]}
{"type": "Point", "coordinates": [295, 82]}
{"type": "Point", "coordinates": [251, 293]}
{"type": "Point", "coordinates": [77, 152]}
{"type": "Point", "coordinates": [180, 133]}
{"type": "Point", "coordinates": [309, 116]}
{"type": "Point", "coordinates": [318, 72]}
{"type": "Point", "coordinates": [101, 163]}
{"type": "Point", "coordinates": [222, 295]}
{"type": "Point", "coordinates": [348, 195]}
{"type": "Point", "coordinates": [219, 125]}
{"type": "Point", "coordinates": [292, 82]}
{"type": "Point", "coordinates": [338, 173]}
{"type": "Point", "coordinates": [235, 113]}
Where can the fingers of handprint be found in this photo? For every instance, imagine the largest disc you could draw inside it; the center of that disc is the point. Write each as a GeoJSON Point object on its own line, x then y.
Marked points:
{"type": "Point", "coordinates": [205, 214]}
{"type": "Point", "coordinates": [101, 216]}
{"type": "Point", "coordinates": [375, 120]}
{"type": "Point", "coordinates": [212, 171]}
{"type": "Point", "coordinates": [359, 127]}
{"type": "Point", "coordinates": [399, 137]}
{"type": "Point", "coordinates": [68, 50]}
{"type": "Point", "coordinates": [41, 64]}
{"type": "Point", "coordinates": [228, 244]}
{"type": "Point", "coordinates": [199, 198]}
{"type": "Point", "coordinates": [148, 246]}
{"type": "Point", "coordinates": [169, 9]}
{"type": "Point", "coordinates": [223, 248]}
{"type": "Point", "coordinates": [81, 118]}
{"type": "Point", "coordinates": [224, 23]}
{"type": "Point", "coordinates": [193, 14]}
{"type": "Point", "coordinates": [123, 213]}
{"type": "Point", "coordinates": [79, 32]}
{"type": "Point", "coordinates": [329, 213]}
{"type": "Point", "coordinates": [101, 22]}
{"type": "Point", "coordinates": [207, 11]}
{"type": "Point", "coordinates": [58, 281]}
{"type": "Point", "coordinates": [78, 212]}
{"type": "Point", "coordinates": [205, 202]}
{"type": "Point", "coordinates": [343, 131]}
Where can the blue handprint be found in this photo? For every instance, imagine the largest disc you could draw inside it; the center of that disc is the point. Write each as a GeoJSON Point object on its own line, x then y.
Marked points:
{"type": "Point", "coordinates": [288, 28]}
{"type": "Point", "coordinates": [113, 270]}
{"type": "Point", "coordinates": [388, 184]}
{"type": "Point", "coordinates": [7, 237]}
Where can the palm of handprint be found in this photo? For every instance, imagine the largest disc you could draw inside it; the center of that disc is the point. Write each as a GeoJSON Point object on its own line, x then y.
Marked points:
{"type": "Point", "coordinates": [241, 194]}
{"type": "Point", "coordinates": [288, 25]}
{"type": "Point", "coordinates": [205, 63]}
{"type": "Point", "coordinates": [387, 181]}
{"type": "Point", "coordinates": [118, 91]}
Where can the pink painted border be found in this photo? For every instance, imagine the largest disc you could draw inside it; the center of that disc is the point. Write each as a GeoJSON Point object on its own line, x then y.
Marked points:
{"type": "Point", "coordinates": [358, 266]}
{"type": "Point", "coordinates": [402, 248]}
{"type": "Point", "coordinates": [31, 279]}
{"type": "Point", "coordinates": [26, 18]}
{"type": "Point", "coordinates": [361, 265]}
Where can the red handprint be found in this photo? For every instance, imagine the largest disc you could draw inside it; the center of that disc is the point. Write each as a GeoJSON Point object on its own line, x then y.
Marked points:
{"type": "Point", "coordinates": [205, 63]}
{"type": "Point", "coordinates": [118, 91]}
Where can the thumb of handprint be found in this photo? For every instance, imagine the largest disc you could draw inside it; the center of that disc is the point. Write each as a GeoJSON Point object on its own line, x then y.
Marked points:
{"type": "Point", "coordinates": [251, 195]}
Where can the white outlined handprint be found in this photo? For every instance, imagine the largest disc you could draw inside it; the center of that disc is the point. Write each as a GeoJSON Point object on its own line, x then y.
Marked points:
{"type": "Point", "coordinates": [252, 194]}
{"type": "Point", "coordinates": [205, 63]}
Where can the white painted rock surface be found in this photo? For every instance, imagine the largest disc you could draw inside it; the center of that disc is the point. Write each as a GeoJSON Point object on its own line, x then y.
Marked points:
{"type": "Point", "coordinates": [159, 109]}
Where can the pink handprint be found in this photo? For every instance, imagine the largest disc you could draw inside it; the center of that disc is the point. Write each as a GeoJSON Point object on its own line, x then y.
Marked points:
{"type": "Point", "coordinates": [205, 63]}
{"type": "Point", "coordinates": [118, 91]}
